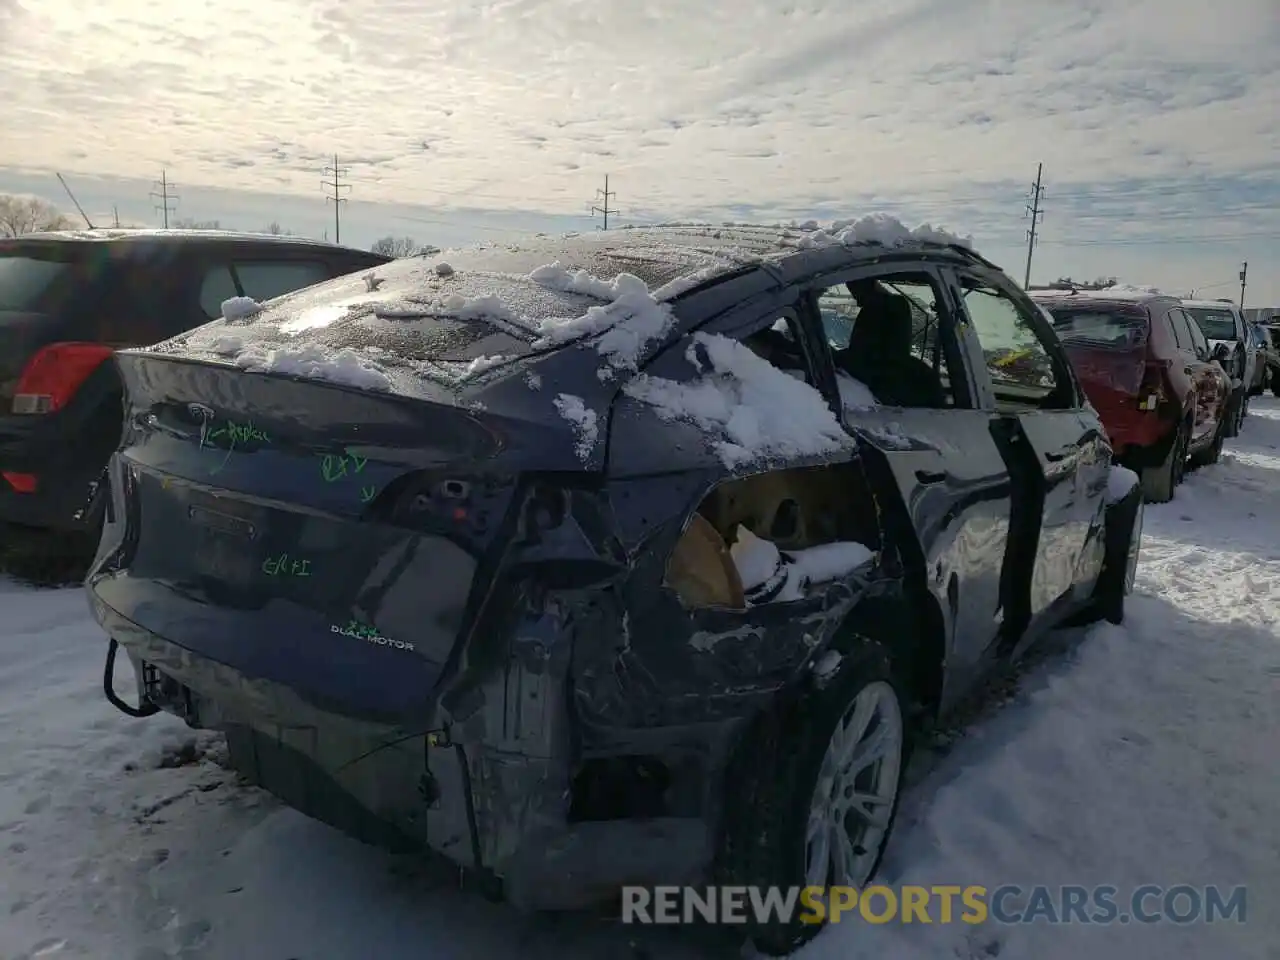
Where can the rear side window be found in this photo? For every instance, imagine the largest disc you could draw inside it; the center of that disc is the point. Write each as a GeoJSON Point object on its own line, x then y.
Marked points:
{"type": "Point", "coordinates": [265, 280]}
{"type": "Point", "coordinates": [218, 285]}
{"type": "Point", "coordinates": [26, 280]}
{"type": "Point", "coordinates": [1199, 345]}
{"type": "Point", "coordinates": [1214, 324]}
{"type": "Point", "coordinates": [1103, 326]}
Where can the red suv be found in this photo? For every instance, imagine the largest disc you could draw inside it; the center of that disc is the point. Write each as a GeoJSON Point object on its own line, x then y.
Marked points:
{"type": "Point", "coordinates": [1159, 388]}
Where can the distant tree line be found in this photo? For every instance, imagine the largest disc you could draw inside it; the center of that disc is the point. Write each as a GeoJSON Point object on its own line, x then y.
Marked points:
{"type": "Point", "coordinates": [391, 246]}
{"type": "Point", "coordinates": [23, 214]}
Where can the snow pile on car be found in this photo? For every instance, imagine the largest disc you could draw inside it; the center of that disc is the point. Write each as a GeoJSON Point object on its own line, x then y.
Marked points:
{"type": "Point", "coordinates": [753, 410]}
{"type": "Point", "coordinates": [770, 575]}
{"type": "Point", "coordinates": [629, 319]}
{"type": "Point", "coordinates": [880, 229]}
{"type": "Point", "coordinates": [583, 420]}
{"type": "Point", "coordinates": [308, 360]}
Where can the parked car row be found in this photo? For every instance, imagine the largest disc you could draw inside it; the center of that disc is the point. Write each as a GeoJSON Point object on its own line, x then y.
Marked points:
{"type": "Point", "coordinates": [659, 589]}
{"type": "Point", "coordinates": [1170, 378]}
{"type": "Point", "coordinates": [1267, 338]}
{"type": "Point", "coordinates": [68, 300]}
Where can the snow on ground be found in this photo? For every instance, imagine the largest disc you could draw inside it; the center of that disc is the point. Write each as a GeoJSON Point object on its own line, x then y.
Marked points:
{"type": "Point", "coordinates": [1146, 753]}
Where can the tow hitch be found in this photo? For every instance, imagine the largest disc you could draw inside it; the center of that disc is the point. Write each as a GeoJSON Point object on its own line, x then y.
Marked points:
{"type": "Point", "coordinates": [145, 707]}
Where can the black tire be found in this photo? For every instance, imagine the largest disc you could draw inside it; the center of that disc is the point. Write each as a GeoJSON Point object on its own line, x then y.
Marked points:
{"type": "Point", "coordinates": [1275, 382]}
{"type": "Point", "coordinates": [1160, 482]}
{"type": "Point", "coordinates": [767, 824]}
{"type": "Point", "coordinates": [48, 558]}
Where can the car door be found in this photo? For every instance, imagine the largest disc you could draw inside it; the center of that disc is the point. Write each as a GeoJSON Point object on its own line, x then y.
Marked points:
{"type": "Point", "coordinates": [956, 501]}
{"type": "Point", "coordinates": [661, 466]}
{"type": "Point", "coordinates": [1057, 450]}
{"type": "Point", "coordinates": [1209, 382]}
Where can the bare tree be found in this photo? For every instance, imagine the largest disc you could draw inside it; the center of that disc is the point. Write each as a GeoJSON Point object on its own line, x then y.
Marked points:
{"type": "Point", "coordinates": [187, 223]}
{"type": "Point", "coordinates": [276, 230]}
{"type": "Point", "coordinates": [395, 246]}
{"type": "Point", "coordinates": [25, 214]}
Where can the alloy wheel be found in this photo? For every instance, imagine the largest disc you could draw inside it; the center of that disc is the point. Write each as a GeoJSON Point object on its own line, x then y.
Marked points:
{"type": "Point", "coordinates": [853, 800]}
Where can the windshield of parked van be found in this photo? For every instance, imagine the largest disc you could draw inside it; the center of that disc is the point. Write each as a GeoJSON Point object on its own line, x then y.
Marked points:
{"type": "Point", "coordinates": [1214, 324]}
{"type": "Point", "coordinates": [1099, 324]}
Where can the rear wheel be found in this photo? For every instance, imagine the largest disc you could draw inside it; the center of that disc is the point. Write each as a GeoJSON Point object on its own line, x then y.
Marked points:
{"type": "Point", "coordinates": [1275, 381]}
{"type": "Point", "coordinates": [1160, 481]}
{"type": "Point", "coordinates": [827, 795]}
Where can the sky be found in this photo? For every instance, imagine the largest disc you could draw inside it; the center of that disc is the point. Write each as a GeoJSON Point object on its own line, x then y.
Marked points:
{"type": "Point", "coordinates": [1156, 120]}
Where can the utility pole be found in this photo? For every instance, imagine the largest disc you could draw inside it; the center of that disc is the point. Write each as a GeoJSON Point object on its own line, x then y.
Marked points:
{"type": "Point", "coordinates": [1244, 275]}
{"type": "Point", "coordinates": [604, 196]}
{"type": "Point", "coordinates": [115, 212]}
{"type": "Point", "coordinates": [1033, 208]}
{"type": "Point", "coordinates": [165, 196]}
{"type": "Point", "coordinates": [337, 186]}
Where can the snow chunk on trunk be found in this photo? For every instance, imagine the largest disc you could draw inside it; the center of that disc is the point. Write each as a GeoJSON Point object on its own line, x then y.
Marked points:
{"type": "Point", "coordinates": [629, 320]}
{"type": "Point", "coordinates": [1119, 482]}
{"type": "Point", "coordinates": [584, 421]}
{"type": "Point", "coordinates": [312, 361]}
{"type": "Point", "coordinates": [240, 308]}
{"type": "Point", "coordinates": [756, 409]}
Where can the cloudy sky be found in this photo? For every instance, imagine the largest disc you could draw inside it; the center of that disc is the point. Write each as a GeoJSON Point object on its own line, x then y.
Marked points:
{"type": "Point", "coordinates": [1158, 121]}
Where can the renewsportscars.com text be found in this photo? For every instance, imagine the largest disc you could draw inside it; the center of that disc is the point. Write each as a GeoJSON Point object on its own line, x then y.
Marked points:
{"type": "Point", "coordinates": [941, 904]}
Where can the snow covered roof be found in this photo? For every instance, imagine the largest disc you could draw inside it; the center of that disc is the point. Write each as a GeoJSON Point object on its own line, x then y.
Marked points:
{"type": "Point", "coordinates": [1123, 292]}
{"type": "Point", "coordinates": [1224, 305]}
{"type": "Point", "coordinates": [463, 312]}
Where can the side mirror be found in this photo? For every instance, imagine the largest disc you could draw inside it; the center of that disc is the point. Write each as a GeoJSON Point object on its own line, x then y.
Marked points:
{"type": "Point", "coordinates": [1222, 353]}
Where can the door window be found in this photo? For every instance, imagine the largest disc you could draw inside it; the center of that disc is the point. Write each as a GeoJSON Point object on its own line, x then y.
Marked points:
{"type": "Point", "coordinates": [218, 285]}
{"type": "Point", "coordinates": [1198, 342]}
{"type": "Point", "coordinates": [265, 280]}
{"type": "Point", "coordinates": [1024, 372]}
{"type": "Point", "coordinates": [886, 341]}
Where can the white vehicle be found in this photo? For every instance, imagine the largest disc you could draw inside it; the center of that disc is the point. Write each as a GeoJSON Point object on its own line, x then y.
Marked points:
{"type": "Point", "coordinates": [1221, 322]}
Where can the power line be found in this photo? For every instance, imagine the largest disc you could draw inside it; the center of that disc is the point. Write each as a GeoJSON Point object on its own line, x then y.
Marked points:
{"type": "Point", "coordinates": [165, 196]}
{"type": "Point", "coordinates": [1266, 235]}
{"type": "Point", "coordinates": [336, 198]}
{"type": "Point", "coordinates": [604, 195]}
{"type": "Point", "coordinates": [1033, 208]}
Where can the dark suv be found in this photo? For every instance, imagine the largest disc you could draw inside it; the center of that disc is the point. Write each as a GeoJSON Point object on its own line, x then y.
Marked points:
{"type": "Point", "coordinates": [1160, 389]}
{"type": "Point", "coordinates": [67, 301]}
{"type": "Point", "coordinates": [630, 557]}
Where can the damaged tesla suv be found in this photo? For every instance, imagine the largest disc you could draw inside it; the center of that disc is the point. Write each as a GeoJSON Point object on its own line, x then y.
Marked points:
{"type": "Point", "coordinates": [629, 558]}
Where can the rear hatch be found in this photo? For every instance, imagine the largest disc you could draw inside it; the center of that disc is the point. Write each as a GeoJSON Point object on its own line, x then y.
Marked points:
{"type": "Point", "coordinates": [1107, 344]}
{"type": "Point", "coordinates": [322, 524]}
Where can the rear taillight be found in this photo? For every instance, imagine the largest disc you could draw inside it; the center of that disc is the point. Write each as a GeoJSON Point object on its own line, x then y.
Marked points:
{"type": "Point", "coordinates": [21, 482]}
{"type": "Point", "coordinates": [52, 377]}
{"type": "Point", "coordinates": [1152, 393]}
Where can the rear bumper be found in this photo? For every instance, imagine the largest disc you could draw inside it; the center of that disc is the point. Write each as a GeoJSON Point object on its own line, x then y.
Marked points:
{"type": "Point", "coordinates": [67, 455]}
{"type": "Point", "coordinates": [64, 500]}
{"type": "Point", "coordinates": [1139, 438]}
{"type": "Point", "coordinates": [498, 812]}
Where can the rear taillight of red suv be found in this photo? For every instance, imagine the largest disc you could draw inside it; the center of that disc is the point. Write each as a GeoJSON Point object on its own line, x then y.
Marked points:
{"type": "Point", "coordinates": [1154, 389]}
{"type": "Point", "coordinates": [52, 377]}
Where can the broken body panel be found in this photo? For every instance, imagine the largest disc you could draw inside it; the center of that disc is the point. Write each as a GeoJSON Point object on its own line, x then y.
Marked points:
{"type": "Point", "coordinates": [445, 621]}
